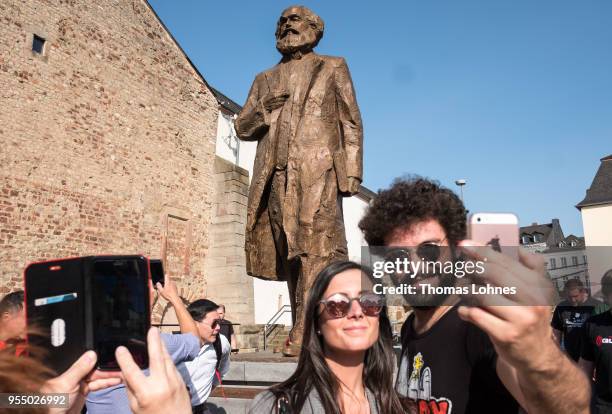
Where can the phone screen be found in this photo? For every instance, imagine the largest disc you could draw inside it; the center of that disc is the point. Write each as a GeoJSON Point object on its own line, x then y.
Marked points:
{"type": "Point", "coordinates": [120, 309]}
{"type": "Point", "coordinates": [157, 272]}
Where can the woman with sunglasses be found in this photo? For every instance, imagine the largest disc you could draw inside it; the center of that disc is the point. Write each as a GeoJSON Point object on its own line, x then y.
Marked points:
{"type": "Point", "coordinates": [346, 363]}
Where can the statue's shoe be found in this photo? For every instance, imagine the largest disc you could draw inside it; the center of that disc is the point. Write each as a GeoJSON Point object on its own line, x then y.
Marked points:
{"type": "Point", "coordinates": [291, 349]}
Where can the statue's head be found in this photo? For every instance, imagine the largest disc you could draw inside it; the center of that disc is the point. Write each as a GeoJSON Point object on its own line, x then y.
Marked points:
{"type": "Point", "coordinates": [298, 29]}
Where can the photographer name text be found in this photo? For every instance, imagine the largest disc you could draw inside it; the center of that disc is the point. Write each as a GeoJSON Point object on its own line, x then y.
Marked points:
{"type": "Point", "coordinates": [428, 289]}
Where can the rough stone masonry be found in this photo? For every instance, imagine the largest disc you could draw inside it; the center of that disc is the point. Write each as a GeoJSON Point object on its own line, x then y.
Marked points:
{"type": "Point", "coordinates": [107, 139]}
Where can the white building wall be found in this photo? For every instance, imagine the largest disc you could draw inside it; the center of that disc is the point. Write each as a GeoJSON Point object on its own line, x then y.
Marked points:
{"type": "Point", "coordinates": [271, 296]}
{"type": "Point", "coordinates": [560, 274]}
{"type": "Point", "coordinates": [354, 209]}
{"type": "Point", "coordinates": [597, 226]}
{"type": "Point", "coordinates": [227, 141]}
{"type": "Point", "coordinates": [230, 148]}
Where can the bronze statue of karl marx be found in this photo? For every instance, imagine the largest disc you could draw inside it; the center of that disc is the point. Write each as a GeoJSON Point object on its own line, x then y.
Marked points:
{"type": "Point", "coordinates": [304, 115]}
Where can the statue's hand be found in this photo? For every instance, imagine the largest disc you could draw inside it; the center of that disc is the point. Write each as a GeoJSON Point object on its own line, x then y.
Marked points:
{"type": "Point", "coordinates": [274, 101]}
{"type": "Point", "coordinates": [353, 185]}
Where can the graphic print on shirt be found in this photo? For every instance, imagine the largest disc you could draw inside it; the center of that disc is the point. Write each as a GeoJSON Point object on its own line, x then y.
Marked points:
{"type": "Point", "coordinates": [600, 340]}
{"type": "Point", "coordinates": [575, 319]}
{"type": "Point", "coordinates": [419, 389]}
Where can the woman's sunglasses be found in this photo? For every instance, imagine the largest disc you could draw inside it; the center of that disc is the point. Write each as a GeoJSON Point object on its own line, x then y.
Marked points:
{"type": "Point", "coordinates": [339, 304]}
{"type": "Point", "coordinates": [213, 325]}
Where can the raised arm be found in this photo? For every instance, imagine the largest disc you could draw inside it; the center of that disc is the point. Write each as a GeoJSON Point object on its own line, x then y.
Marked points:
{"type": "Point", "coordinates": [169, 292]}
{"type": "Point", "coordinates": [534, 368]}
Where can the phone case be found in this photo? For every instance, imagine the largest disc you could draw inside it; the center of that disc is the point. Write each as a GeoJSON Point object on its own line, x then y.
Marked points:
{"type": "Point", "coordinates": [55, 296]}
{"type": "Point", "coordinates": [61, 311]}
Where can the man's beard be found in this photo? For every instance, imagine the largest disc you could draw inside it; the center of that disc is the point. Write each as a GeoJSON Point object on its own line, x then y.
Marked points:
{"type": "Point", "coordinates": [292, 43]}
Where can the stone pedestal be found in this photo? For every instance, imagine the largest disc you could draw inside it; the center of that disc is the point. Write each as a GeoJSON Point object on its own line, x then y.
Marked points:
{"type": "Point", "coordinates": [226, 279]}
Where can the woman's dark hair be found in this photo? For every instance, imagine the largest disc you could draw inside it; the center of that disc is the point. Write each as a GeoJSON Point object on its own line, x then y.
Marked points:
{"type": "Point", "coordinates": [12, 303]}
{"type": "Point", "coordinates": [200, 308]}
{"type": "Point", "coordinates": [410, 200]}
{"type": "Point", "coordinates": [313, 372]}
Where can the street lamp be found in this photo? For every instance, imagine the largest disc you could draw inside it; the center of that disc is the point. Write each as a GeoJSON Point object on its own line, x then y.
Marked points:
{"type": "Point", "coordinates": [461, 182]}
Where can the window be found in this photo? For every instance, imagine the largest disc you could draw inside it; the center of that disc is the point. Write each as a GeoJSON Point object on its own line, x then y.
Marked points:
{"type": "Point", "coordinates": [584, 259]}
{"type": "Point", "coordinates": [38, 44]}
{"type": "Point", "coordinates": [574, 261]}
{"type": "Point", "coordinates": [553, 263]}
{"type": "Point", "coordinates": [526, 239]}
{"type": "Point", "coordinates": [564, 262]}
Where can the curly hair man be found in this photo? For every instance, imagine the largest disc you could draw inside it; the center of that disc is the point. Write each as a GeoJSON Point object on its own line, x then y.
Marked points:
{"type": "Point", "coordinates": [469, 359]}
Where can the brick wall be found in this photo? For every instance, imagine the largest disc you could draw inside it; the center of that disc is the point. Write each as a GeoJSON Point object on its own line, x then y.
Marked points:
{"type": "Point", "coordinates": [107, 139]}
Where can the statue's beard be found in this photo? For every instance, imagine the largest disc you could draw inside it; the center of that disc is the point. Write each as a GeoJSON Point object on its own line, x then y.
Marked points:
{"type": "Point", "coordinates": [292, 43]}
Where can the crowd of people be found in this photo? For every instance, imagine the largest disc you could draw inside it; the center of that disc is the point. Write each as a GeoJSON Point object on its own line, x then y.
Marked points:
{"type": "Point", "coordinates": [454, 359]}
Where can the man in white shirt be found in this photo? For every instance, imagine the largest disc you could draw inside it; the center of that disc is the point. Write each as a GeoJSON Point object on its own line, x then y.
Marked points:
{"type": "Point", "coordinates": [205, 371]}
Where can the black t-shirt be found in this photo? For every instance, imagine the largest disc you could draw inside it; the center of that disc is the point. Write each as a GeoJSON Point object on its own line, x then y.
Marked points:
{"type": "Point", "coordinates": [227, 329]}
{"type": "Point", "coordinates": [451, 369]}
{"type": "Point", "coordinates": [569, 320]}
{"type": "Point", "coordinates": [597, 347]}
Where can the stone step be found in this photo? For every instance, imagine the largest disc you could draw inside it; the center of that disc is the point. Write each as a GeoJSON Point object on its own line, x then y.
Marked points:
{"type": "Point", "coordinates": [258, 373]}
{"type": "Point", "coordinates": [218, 405]}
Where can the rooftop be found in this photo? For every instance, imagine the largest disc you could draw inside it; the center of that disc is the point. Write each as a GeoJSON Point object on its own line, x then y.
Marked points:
{"type": "Point", "coordinates": [549, 233]}
{"type": "Point", "coordinates": [600, 191]}
{"type": "Point", "coordinates": [226, 102]}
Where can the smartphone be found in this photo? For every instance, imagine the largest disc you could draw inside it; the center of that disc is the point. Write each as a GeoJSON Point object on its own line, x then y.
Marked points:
{"type": "Point", "coordinates": [96, 302]}
{"type": "Point", "coordinates": [500, 231]}
{"type": "Point", "coordinates": [121, 310]}
{"type": "Point", "coordinates": [157, 271]}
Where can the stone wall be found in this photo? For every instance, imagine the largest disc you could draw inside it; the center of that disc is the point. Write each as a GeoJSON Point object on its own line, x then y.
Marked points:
{"type": "Point", "coordinates": [108, 139]}
{"type": "Point", "coordinates": [227, 281]}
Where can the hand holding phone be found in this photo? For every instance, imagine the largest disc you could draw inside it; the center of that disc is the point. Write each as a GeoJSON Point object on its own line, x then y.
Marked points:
{"type": "Point", "coordinates": [496, 230]}
{"type": "Point", "coordinates": [166, 287]}
{"type": "Point", "coordinates": [510, 275]}
{"type": "Point", "coordinates": [163, 390]}
{"type": "Point", "coordinates": [157, 272]}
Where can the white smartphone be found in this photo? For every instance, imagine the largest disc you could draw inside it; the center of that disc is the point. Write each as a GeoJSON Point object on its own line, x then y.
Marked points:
{"type": "Point", "coordinates": [498, 230]}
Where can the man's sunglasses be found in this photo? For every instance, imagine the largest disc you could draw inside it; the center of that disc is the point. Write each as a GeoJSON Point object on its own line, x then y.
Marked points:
{"type": "Point", "coordinates": [339, 304]}
{"type": "Point", "coordinates": [428, 252]}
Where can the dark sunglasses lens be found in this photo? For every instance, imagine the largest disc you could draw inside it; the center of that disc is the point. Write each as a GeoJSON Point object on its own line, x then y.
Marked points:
{"type": "Point", "coordinates": [215, 323]}
{"type": "Point", "coordinates": [396, 254]}
{"type": "Point", "coordinates": [428, 252]}
{"type": "Point", "coordinates": [337, 308]}
{"type": "Point", "coordinates": [371, 304]}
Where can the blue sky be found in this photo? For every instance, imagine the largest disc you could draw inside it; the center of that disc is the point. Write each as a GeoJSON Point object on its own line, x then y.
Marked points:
{"type": "Point", "coordinates": [514, 96]}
